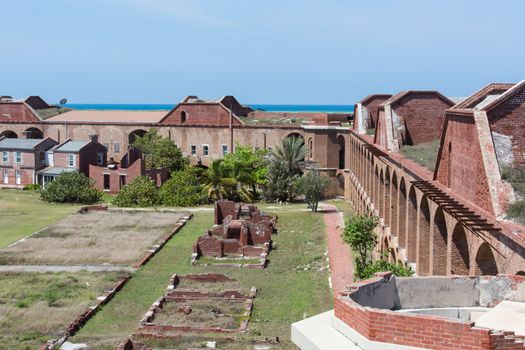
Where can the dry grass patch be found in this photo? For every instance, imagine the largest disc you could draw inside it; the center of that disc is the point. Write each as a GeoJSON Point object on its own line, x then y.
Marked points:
{"type": "Point", "coordinates": [35, 307]}
{"type": "Point", "coordinates": [225, 314]}
{"type": "Point", "coordinates": [118, 238]}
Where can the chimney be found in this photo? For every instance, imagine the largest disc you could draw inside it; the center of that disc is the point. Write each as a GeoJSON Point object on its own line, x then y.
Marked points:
{"type": "Point", "coordinates": [94, 138]}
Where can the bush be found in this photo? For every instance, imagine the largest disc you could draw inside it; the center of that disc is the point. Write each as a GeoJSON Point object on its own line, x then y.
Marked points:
{"type": "Point", "coordinates": [381, 266]}
{"type": "Point", "coordinates": [312, 186]}
{"type": "Point", "coordinates": [160, 152]}
{"type": "Point", "coordinates": [142, 192]}
{"type": "Point", "coordinates": [183, 189]}
{"type": "Point", "coordinates": [71, 187]}
{"type": "Point", "coordinates": [517, 211]}
{"type": "Point", "coordinates": [32, 187]}
{"type": "Point", "coordinates": [359, 234]}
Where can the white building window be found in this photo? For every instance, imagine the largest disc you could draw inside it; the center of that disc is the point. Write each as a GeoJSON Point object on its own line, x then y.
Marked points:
{"type": "Point", "coordinates": [100, 158]}
{"type": "Point", "coordinates": [5, 157]}
{"type": "Point", "coordinates": [6, 177]}
{"type": "Point", "coordinates": [193, 150]}
{"type": "Point", "coordinates": [224, 150]}
{"type": "Point", "coordinates": [116, 147]}
{"type": "Point", "coordinates": [205, 150]}
{"type": "Point", "coordinates": [71, 161]}
{"type": "Point", "coordinates": [18, 177]}
{"type": "Point", "coordinates": [18, 156]}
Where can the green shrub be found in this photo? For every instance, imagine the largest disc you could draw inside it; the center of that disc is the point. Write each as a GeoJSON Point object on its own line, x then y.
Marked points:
{"type": "Point", "coordinates": [359, 234]}
{"type": "Point", "coordinates": [71, 187]}
{"type": "Point", "coordinates": [32, 187]}
{"type": "Point", "coordinates": [183, 189]}
{"type": "Point", "coordinates": [142, 192]}
{"type": "Point", "coordinates": [517, 211]}
{"type": "Point", "coordinates": [312, 186]}
{"type": "Point", "coordinates": [381, 266]}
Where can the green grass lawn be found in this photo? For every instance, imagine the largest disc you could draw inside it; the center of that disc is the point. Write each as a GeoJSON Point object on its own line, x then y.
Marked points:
{"type": "Point", "coordinates": [22, 213]}
{"type": "Point", "coordinates": [35, 307]}
{"type": "Point", "coordinates": [294, 286]}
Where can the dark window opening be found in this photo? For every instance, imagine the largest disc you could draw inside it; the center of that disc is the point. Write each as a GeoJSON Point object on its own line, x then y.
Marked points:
{"type": "Point", "coordinates": [122, 181]}
{"type": "Point", "coordinates": [106, 181]}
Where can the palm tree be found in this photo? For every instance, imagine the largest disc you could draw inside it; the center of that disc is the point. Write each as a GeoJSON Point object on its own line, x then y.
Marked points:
{"type": "Point", "coordinates": [290, 155]}
{"type": "Point", "coordinates": [217, 181]}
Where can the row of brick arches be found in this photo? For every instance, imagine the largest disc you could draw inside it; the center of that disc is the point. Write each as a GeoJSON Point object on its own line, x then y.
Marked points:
{"type": "Point", "coordinates": [416, 229]}
{"type": "Point", "coordinates": [29, 133]}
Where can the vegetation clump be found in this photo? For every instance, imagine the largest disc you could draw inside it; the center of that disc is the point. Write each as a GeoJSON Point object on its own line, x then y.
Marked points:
{"type": "Point", "coordinates": [359, 234]}
{"type": "Point", "coordinates": [160, 152]}
{"type": "Point", "coordinates": [183, 189]}
{"type": "Point", "coordinates": [424, 154]}
{"type": "Point", "coordinates": [142, 192]}
{"type": "Point", "coordinates": [284, 168]}
{"type": "Point", "coordinates": [313, 186]}
{"type": "Point", "coordinates": [516, 177]}
{"type": "Point", "coordinates": [71, 187]}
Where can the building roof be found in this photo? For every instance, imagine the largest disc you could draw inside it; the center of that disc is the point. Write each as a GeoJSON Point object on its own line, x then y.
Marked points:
{"type": "Point", "coordinates": [374, 96]}
{"type": "Point", "coordinates": [491, 91]}
{"type": "Point", "coordinates": [71, 146]}
{"type": "Point", "coordinates": [56, 170]}
{"type": "Point", "coordinates": [21, 144]}
{"type": "Point", "coordinates": [109, 116]}
{"type": "Point", "coordinates": [502, 97]}
{"type": "Point", "coordinates": [400, 95]}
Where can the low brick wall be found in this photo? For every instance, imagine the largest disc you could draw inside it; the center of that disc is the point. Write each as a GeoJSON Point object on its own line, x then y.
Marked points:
{"type": "Point", "coordinates": [423, 331]}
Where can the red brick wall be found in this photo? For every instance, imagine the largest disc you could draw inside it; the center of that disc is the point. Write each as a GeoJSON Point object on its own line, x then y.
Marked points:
{"type": "Point", "coordinates": [26, 177]}
{"type": "Point", "coordinates": [422, 115]}
{"type": "Point", "coordinates": [416, 330]}
{"type": "Point", "coordinates": [463, 170]}
{"type": "Point", "coordinates": [16, 111]}
{"type": "Point", "coordinates": [373, 108]}
{"type": "Point", "coordinates": [231, 247]}
{"type": "Point", "coordinates": [380, 132]}
{"type": "Point", "coordinates": [209, 246]}
{"type": "Point", "coordinates": [96, 173]}
{"type": "Point", "coordinates": [200, 113]}
{"type": "Point", "coordinates": [88, 155]}
{"type": "Point", "coordinates": [509, 119]}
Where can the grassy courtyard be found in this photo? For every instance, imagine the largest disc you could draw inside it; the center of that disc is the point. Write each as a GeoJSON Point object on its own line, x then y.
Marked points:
{"type": "Point", "coordinates": [35, 307]}
{"type": "Point", "coordinates": [117, 238]}
{"type": "Point", "coordinates": [294, 286]}
{"type": "Point", "coordinates": [22, 213]}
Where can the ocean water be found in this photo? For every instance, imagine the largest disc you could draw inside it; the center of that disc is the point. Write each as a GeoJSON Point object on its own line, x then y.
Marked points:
{"type": "Point", "coordinates": [269, 108]}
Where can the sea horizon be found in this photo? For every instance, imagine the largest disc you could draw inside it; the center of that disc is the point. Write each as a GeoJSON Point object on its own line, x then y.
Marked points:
{"type": "Point", "coordinates": [289, 108]}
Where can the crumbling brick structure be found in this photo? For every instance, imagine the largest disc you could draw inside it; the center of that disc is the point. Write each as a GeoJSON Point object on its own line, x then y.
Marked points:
{"type": "Point", "coordinates": [240, 230]}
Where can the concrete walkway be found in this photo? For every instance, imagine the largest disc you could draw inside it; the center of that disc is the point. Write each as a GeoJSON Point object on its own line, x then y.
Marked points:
{"type": "Point", "coordinates": [66, 268]}
{"type": "Point", "coordinates": [341, 262]}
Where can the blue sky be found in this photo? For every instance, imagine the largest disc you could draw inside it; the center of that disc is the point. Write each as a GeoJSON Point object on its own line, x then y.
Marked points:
{"type": "Point", "coordinates": [286, 51]}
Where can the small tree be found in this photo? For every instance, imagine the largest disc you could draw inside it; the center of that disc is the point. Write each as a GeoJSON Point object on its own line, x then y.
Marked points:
{"type": "Point", "coordinates": [313, 186]}
{"type": "Point", "coordinates": [160, 152]}
{"type": "Point", "coordinates": [359, 234]}
{"type": "Point", "coordinates": [217, 180]}
{"type": "Point", "coordinates": [142, 192]}
{"type": "Point", "coordinates": [71, 187]}
{"type": "Point", "coordinates": [182, 189]}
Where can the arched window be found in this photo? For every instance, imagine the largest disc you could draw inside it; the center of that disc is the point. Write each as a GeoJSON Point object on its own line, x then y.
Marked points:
{"type": "Point", "coordinates": [183, 117]}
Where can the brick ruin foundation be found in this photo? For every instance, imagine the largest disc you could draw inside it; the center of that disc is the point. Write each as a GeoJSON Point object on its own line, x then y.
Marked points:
{"type": "Point", "coordinates": [179, 297]}
{"type": "Point", "coordinates": [241, 231]}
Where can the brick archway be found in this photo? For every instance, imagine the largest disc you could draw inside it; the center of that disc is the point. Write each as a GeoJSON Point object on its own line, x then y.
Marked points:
{"type": "Point", "coordinates": [423, 264]}
{"type": "Point", "coordinates": [439, 247]}
{"type": "Point", "coordinates": [394, 205]}
{"type": "Point", "coordinates": [485, 261]}
{"type": "Point", "coordinates": [10, 134]}
{"type": "Point", "coordinates": [402, 219]}
{"type": "Point", "coordinates": [412, 225]}
{"type": "Point", "coordinates": [387, 205]}
{"type": "Point", "coordinates": [460, 259]}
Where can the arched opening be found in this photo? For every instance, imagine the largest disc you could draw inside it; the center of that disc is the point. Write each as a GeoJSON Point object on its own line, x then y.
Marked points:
{"type": "Point", "coordinates": [9, 134]}
{"type": "Point", "coordinates": [310, 148]}
{"type": "Point", "coordinates": [394, 218]}
{"type": "Point", "coordinates": [340, 185]}
{"type": "Point", "coordinates": [460, 259]}
{"type": "Point", "coordinates": [381, 194]}
{"type": "Point", "coordinates": [520, 273]}
{"type": "Point", "coordinates": [183, 117]}
{"type": "Point", "coordinates": [133, 135]}
{"type": "Point", "coordinates": [296, 135]}
{"type": "Point", "coordinates": [411, 224]}
{"type": "Point", "coordinates": [485, 261]}
{"type": "Point", "coordinates": [401, 225]}
{"type": "Point", "coordinates": [387, 205]}
{"type": "Point", "coordinates": [424, 238]}
{"type": "Point", "coordinates": [439, 248]}
{"type": "Point", "coordinates": [33, 133]}
{"type": "Point", "coordinates": [341, 142]}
